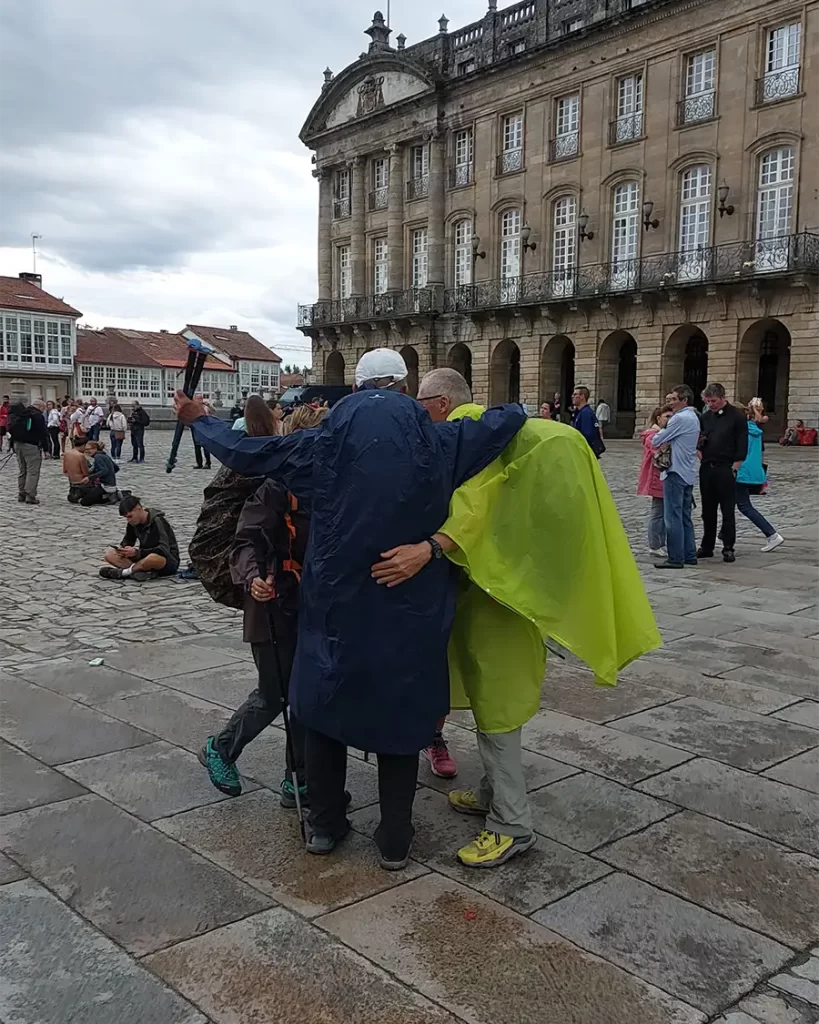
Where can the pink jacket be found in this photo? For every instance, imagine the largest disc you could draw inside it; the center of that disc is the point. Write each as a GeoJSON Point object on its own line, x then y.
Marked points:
{"type": "Point", "coordinates": [649, 482]}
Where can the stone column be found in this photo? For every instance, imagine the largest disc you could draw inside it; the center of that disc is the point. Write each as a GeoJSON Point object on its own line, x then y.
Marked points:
{"type": "Point", "coordinates": [358, 243]}
{"type": "Point", "coordinates": [803, 386]}
{"type": "Point", "coordinates": [395, 219]}
{"type": "Point", "coordinates": [649, 373]}
{"type": "Point", "coordinates": [437, 195]}
{"type": "Point", "coordinates": [325, 245]}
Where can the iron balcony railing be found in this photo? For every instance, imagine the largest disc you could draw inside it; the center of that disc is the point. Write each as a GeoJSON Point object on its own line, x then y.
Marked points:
{"type": "Point", "coordinates": [626, 128]}
{"type": "Point", "coordinates": [734, 261]}
{"type": "Point", "coordinates": [341, 208]}
{"type": "Point", "coordinates": [378, 198]}
{"type": "Point", "coordinates": [361, 308]}
{"type": "Point", "coordinates": [460, 175]}
{"type": "Point", "coordinates": [564, 146]}
{"type": "Point", "coordinates": [777, 85]}
{"type": "Point", "coordinates": [700, 107]}
{"type": "Point", "coordinates": [418, 187]}
{"type": "Point", "coordinates": [509, 161]}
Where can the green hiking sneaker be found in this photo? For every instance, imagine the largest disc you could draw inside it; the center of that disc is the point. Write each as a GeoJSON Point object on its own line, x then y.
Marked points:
{"type": "Point", "coordinates": [288, 795]}
{"type": "Point", "coordinates": [223, 775]}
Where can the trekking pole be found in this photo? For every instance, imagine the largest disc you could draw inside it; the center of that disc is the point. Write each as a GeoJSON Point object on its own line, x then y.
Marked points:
{"type": "Point", "coordinates": [290, 750]}
{"type": "Point", "coordinates": [198, 352]}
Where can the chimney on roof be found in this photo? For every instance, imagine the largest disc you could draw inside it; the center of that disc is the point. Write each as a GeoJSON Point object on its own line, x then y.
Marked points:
{"type": "Point", "coordinates": [35, 279]}
{"type": "Point", "coordinates": [163, 330]}
{"type": "Point", "coordinates": [233, 327]}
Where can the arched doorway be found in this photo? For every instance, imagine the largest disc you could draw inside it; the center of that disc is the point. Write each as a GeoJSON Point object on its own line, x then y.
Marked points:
{"type": "Point", "coordinates": [460, 359]}
{"type": "Point", "coordinates": [505, 373]}
{"type": "Point", "coordinates": [557, 372]}
{"type": "Point", "coordinates": [685, 361]}
{"type": "Point", "coordinates": [410, 357]}
{"type": "Point", "coordinates": [763, 369]}
{"type": "Point", "coordinates": [334, 368]}
{"type": "Point", "coordinates": [617, 381]}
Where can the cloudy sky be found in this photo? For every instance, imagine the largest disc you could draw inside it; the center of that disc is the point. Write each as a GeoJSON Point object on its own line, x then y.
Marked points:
{"type": "Point", "coordinates": [154, 146]}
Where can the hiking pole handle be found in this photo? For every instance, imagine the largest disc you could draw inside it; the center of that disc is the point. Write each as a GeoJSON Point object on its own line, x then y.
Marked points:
{"type": "Point", "coordinates": [198, 353]}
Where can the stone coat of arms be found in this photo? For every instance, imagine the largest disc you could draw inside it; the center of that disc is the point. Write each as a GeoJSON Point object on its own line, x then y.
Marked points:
{"type": "Point", "coordinates": [370, 95]}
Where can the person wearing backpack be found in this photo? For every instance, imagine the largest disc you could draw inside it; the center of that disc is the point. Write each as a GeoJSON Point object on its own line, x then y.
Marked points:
{"type": "Point", "coordinates": [138, 421]}
{"type": "Point", "coordinates": [27, 428]}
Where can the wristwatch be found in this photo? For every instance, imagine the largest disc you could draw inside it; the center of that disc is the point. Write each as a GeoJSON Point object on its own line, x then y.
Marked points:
{"type": "Point", "coordinates": [437, 550]}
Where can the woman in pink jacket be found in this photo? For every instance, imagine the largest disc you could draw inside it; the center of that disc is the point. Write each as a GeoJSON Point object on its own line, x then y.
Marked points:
{"type": "Point", "coordinates": [649, 482]}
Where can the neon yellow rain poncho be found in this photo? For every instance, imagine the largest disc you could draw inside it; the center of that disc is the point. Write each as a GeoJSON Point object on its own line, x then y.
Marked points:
{"type": "Point", "coordinates": [546, 555]}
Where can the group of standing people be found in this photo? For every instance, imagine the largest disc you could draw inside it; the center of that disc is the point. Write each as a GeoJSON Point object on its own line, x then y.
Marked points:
{"type": "Point", "coordinates": [723, 448]}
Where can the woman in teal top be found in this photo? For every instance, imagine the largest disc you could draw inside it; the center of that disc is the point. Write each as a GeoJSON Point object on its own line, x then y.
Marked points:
{"type": "Point", "coordinates": [751, 474]}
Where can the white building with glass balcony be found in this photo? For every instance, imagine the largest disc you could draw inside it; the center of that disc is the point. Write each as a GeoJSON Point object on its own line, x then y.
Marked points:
{"type": "Point", "coordinates": [38, 340]}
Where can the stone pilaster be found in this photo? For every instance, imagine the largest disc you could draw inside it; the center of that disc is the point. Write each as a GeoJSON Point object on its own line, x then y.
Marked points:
{"type": "Point", "coordinates": [358, 242]}
{"type": "Point", "coordinates": [723, 345]}
{"type": "Point", "coordinates": [803, 382]}
{"type": "Point", "coordinates": [325, 245]}
{"type": "Point", "coordinates": [437, 197]}
{"type": "Point", "coordinates": [529, 346]}
{"type": "Point", "coordinates": [395, 219]}
{"type": "Point", "coordinates": [649, 374]}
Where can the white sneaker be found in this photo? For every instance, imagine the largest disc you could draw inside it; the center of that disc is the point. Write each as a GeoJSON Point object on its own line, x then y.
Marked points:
{"type": "Point", "coordinates": [657, 552]}
{"type": "Point", "coordinates": [773, 542]}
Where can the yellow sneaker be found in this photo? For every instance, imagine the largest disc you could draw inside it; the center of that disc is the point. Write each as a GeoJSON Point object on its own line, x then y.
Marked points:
{"type": "Point", "coordinates": [465, 801]}
{"type": "Point", "coordinates": [490, 850]}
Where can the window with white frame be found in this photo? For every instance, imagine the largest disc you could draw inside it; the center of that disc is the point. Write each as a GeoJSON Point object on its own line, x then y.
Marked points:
{"type": "Point", "coordinates": [65, 344]}
{"type": "Point", "coordinates": [572, 25]}
{"type": "Point", "coordinates": [510, 244]}
{"type": "Point", "coordinates": [511, 157]}
{"type": "Point", "coordinates": [39, 330]}
{"type": "Point", "coordinates": [462, 235]}
{"type": "Point", "coordinates": [625, 228]}
{"type": "Point", "coordinates": [699, 102]}
{"type": "Point", "coordinates": [381, 266]}
{"type": "Point", "coordinates": [418, 185]}
{"type": "Point", "coordinates": [344, 272]}
{"type": "Point", "coordinates": [782, 60]}
{"type": "Point", "coordinates": [629, 121]}
{"type": "Point", "coordinates": [26, 345]}
{"type": "Point", "coordinates": [567, 127]}
{"type": "Point", "coordinates": [695, 221]}
{"type": "Point", "coordinates": [775, 194]}
{"type": "Point", "coordinates": [420, 258]}
{"type": "Point", "coordinates": [341, 197]}
{"type": "Point", "coordinates": [143, 383]}
{"type": "Point", "coordinates": [34, 340]}
{"type": "Point", "coordinates": [564, 244]}
{"type": "Point", "coordinates": [381, 172]}
{"type": "Point", "coordinates": [463, 155]}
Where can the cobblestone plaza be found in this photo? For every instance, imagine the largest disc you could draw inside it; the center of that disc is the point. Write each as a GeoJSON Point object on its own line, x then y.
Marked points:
{"type": "Point", "coordinates": [676, 874]}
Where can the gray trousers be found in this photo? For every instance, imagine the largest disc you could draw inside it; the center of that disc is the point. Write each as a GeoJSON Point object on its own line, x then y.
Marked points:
{"type": "Point", "coordinates": [503, 787]}
{"type": "Point", "coordinates": [29, 459]}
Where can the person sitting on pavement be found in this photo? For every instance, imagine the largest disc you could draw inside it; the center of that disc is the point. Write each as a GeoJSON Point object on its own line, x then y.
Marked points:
{"type": "Point", "coordinates": [148, 549]}
{"type": "Point", "coordinates": [502, 620]}
{"type": "Point", "coordinates": [370, 668]}
{"type": "Point", "coordinates": [76, 467]}
{"type": "Point", "coordinates": [104, 471]}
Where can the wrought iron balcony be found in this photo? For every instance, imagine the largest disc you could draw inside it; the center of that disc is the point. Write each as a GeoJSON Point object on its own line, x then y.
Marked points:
{"type": "Point", "coordinates": [364, 308]}
{"type": "Point", "coordinates": [509, 161]}
{"type": "Point", "coordinates": [565, 146]}
{"type": "Point", "coordinates": [460, 175]}
{"type": "Point", "coordinates": [341, 208]}
{"type": "Point", "coordinates": [418, 188]}
{"type": "Point", "coordinates": [626, 128]}
{"type": "Point", "coordinates": [378, 198]}
{"type": "Point", "coordinates": [696, 108]}
{"type": "Point", "coordinates": [719, 264]}
{"type": "Point", "coordinates": [777, 85]}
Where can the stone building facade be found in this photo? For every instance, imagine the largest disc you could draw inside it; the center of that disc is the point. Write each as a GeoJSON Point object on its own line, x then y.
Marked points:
{"type": "Point", "coordinates": [617, 193]}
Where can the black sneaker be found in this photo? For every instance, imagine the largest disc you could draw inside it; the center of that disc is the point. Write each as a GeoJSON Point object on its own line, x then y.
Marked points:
{"type": "Point", "coordinates": [668, 565]}
{"type": "Point", "coordinates": [728, 555]}
{"type": "Point", "coordinates": [394, 851]}
{"type": "Point", "coordinates": [111, 572]}
{"type": "Point", "coordinates": [702, 553]}
{"type": "Point", "coordinates": [21, 498]}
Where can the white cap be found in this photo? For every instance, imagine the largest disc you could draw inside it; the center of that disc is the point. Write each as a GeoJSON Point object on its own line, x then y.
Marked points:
{"type": "Point", "coordinates": [380, 362]}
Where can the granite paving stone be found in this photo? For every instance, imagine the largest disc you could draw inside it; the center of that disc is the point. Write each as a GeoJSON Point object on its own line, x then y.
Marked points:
{"type": "Point", "coordinates": [740, 738]}
{"type": "Point", "coordinates": [771, 809]}
{"type": "Point", "coordinates": [528, 882]}
{"type": "Point", "coordinates": [801, 771]}
{"type": "Point", "coordinates": [586, 811]}
{"type": "Point", "coordinates": [777, 641]}
{"type": "Point", "coordinates": [767, 599]}
{"type": "Point", "coordinates": [729, 871]}
{"type": "Point", "coordinates": [434, 934]}
{"type": "Point", "coordinates": [806, 712]}
{"type": "Point", "coordinates": [160, 661]}
{"type": "Point", "coordinates": [804, 988]}
{"type": "Point", "coordinates": [56, 729]}
{"type": "Point", "coordinates": [277, 967]}
{"type": "Point", "coordinates": [746, 619]}
{"type": "Point", "coordinates": [135, 884]}
{"type": "Point", "coordinates": [771, 1007]}
{"type": "Point", "coordinates": [597, 748]}
{"type": "Point", "coordinates": [257, 840]}
{"type": "Point", "coordinates": [57, 968]}
{"type": "Point", "coordinates": [803, 683]}
{"type": "Point", "coordinates": [669, 942]}
{"type": "Point", "coordinates": [228, 685]}
{"type": "Point", "coordinates": [171, 715]}
{"type": "Point", "coordinates": [89, 684]}
{"type": "Point", "coordinates": [578, 696]}
{"type": "Point", "coordinates": [151, 781]}
{"type": "Point", "coordinates": [9, 871]}
{"type": "Point", "coordinates": [26, 782]}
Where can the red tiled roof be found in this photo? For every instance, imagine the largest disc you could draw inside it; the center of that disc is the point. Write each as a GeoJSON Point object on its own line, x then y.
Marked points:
{"type": "Point", "coordinates": [18, 294]}
{"type": "Point", "coordinates": [291, 380]}
{"type": "Point", "coordinates": [109, 347]}
{"type": "Point", "coordinates": [235, 343]}
{"type": "Point", "coordinates": [164, 348]}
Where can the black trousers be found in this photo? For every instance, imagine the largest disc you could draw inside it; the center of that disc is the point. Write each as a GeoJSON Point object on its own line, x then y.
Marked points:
{"type": "Point", "coordinates": [53, 447]}
{"type": "Point", "coordinates": [264, 705]}
{"type": "Point", "coordinates": [138, 442]}
{"type": "Point", "coordinates": [718, 490]}
{"type": "Point", "coordinates": [197, 454]}
{"type": "Point", "coordinates": [326, 775]}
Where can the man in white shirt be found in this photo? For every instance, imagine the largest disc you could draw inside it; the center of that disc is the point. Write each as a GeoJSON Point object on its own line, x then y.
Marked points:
{"type": "Point", "coordinates": [94, 415]}
{"type": "Point", "coordinates": [603, 414]}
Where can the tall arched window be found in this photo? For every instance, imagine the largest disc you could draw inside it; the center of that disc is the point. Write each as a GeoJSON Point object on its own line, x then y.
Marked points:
{"type": "Point", "coordinates": [510, 254]}
{"type": "Point", "coordinates": [564, 245]}
{"type": "Point", "coordinates": [462, 232]}
{"type": "Point", "coordinates": [774, 208]}
{"type": "Point", "coordinates": [625, 227]}
{"type": "Point", "coordinates": [695, 221]}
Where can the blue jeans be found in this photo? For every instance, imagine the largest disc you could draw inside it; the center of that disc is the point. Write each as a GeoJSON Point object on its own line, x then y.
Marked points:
{"type": "Point", "coordinates": [94, 432]}
{"type": "Point", "coordinates": [656, 525]}
{"type": "Point", "coordinates": [116, 446]}
{"type": "Point", "coordinates": [747, 509]}
{"type": "Point", "coordinates": [678, 501]}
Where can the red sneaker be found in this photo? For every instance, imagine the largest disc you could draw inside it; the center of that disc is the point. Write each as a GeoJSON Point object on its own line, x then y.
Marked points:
{"type": "Point", "coordinates": [440, 761]}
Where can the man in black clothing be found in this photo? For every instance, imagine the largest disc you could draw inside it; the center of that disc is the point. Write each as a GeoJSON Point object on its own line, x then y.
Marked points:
{"type": "Point", "coordinates": [27, 429]}
{"type": "Point", "coordinates": [148, 549]}
{"type": "Point", "coordinates": [138, 421]}
{"type": "Point", "coordinates": [723, 448]}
